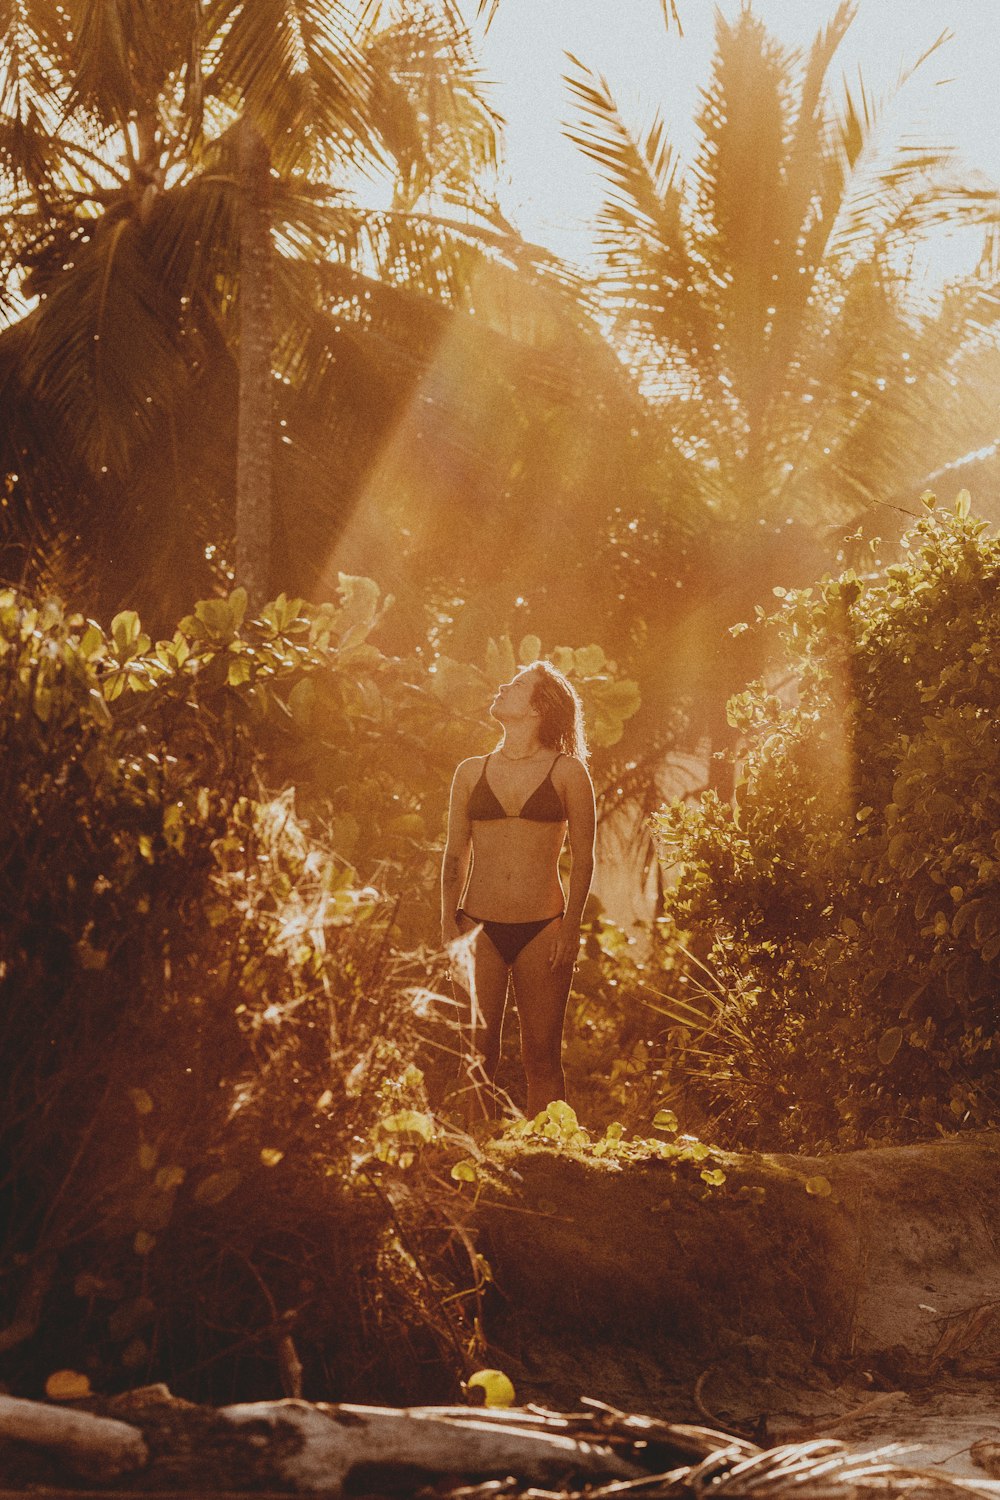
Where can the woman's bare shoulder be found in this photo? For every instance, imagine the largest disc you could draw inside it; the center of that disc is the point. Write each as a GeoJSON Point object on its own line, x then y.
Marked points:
{"type": "Point", "coordinates": [469, 767]}
{"type": "Point", "coordinates": [572, 770]}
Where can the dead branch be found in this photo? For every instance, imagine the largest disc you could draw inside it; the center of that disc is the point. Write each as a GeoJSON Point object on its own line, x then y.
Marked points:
{"type": "Point", "coordinates": [96, 1447]}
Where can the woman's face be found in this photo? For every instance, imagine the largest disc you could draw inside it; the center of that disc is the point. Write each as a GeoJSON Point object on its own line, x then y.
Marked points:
{"type": "Point", "coordinates": [513, 699]}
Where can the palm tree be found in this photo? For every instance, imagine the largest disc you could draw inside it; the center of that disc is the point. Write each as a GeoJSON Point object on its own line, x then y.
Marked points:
{"type": "Point", "coordinates": [769, 296]}
{"type": "Point", "coordinates": [770, 302]}
{"type": "Point", "coordinates": [169, 169]}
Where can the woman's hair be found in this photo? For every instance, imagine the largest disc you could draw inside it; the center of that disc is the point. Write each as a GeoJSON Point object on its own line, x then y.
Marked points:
{"type": "Point", "coordinates": [558, 702]}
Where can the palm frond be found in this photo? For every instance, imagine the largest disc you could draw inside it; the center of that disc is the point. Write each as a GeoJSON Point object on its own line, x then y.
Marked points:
{"type": "Point", "coordinates": [104, 352]}
{"type": "Point", "coordinates": [861, 178]}
{"type": "Point", "coordinates": [104, 33]}
{"type": "Point", "coordinates": [640, 176]}
{"type": "Point", "coordinates": [191, 237]}
{"type": "Point", "coordinates": [30, 99]}
{"type": "Point", "coordinates": [739, 170]}
{"type": "Point", "coordinates": [429, 106]}
{"type": "Point", "coordinates": [298, 67]}
{"type": "Point", "coordinates": [487, 10]}
{"type": "Point", "coordinates": [651, 275]}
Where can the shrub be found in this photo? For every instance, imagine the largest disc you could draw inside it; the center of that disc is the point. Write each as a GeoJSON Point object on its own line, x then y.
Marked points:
{"type": "Point", "coordinates": [210, 1165]}
{"type": "Point", "coordinates": [848, 905]}
{"type": "Point", "coordinates": [203, 1024]}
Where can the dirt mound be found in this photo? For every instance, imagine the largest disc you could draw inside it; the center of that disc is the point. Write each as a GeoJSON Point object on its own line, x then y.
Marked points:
{"type": "Point", "coordinates": [630, 1280]}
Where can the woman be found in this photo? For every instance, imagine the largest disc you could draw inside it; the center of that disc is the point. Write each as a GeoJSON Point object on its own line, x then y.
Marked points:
{"type": "Point", "coordinates": [510, 813]}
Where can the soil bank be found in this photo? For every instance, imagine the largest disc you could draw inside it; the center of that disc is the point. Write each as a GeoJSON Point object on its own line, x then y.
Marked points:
{"type": "Point", "coordinates": [760, 1301]}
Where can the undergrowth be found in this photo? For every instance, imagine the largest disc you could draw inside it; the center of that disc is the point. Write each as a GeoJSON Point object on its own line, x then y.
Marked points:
{"type": "Point", "coordinates": [839, 924]}
{"type": "Point", "coordinates": [203, 1021]}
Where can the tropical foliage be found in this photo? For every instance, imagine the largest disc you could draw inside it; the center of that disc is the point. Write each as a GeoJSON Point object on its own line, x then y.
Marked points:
{"type": "Point", "coordinates": [189, 976]}
{"type": "Point", "coordinates": [121, 173]}
{"type": "Point", "coordinates": [844, 916]}
{"type": "Point", "coordinates": [210, 1015]}
{"type": "Point", "coordinates": [771, 299]}
{"type": "Point", "coordinates": [769, 294]}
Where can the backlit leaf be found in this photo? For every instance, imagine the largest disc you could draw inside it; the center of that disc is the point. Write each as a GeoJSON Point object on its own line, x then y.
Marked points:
{"type": "Point", "coordinates": [497, 1388]}
{"type": "Point", "coordinates": [217, 1186]}
{"type": "Point", "coordinates": [410, 1122]}
{"type": "Point", "coordinates": [67, 1385]}
{"type": "Point", "coordinates": [889, 1044]}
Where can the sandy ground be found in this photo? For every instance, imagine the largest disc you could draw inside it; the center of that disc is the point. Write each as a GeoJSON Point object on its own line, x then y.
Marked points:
{"type": "Point", "coordinates": [869, 1313]}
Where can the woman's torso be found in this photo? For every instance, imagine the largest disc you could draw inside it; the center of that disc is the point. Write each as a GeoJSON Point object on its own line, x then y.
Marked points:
{"type": "Point", "coordinates": [515, 859]}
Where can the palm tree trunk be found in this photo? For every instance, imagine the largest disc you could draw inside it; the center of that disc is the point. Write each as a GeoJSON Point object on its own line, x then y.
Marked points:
{"type": "Point", "coordinates": [255, 420]}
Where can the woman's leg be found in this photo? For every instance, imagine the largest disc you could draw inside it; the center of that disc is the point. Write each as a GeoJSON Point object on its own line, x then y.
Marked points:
{"type": "Point", "coordinates": [541, 993]}
{"type": "Point", "coordinates": [484, 983]}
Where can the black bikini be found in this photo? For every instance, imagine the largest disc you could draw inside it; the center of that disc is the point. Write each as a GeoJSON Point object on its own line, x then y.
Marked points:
{"type": "Point", "coordinates": [543, 806]}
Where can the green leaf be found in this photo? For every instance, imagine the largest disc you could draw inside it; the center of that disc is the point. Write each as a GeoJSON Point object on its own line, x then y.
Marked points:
{"type": "Point", "coordinates": [92, 643]}
{"type": "Point", "coordinates": [360, 599]}
{"type": "Point", "coordinates": [889, 1044]}
{"type": "Point", "coordinates": [238, 606]}
{"type": "Point", "coordinates": [497, 1388]}
{"type": "Point", "coordinates": [588, 661]}
{"type": "Point", "coordinates": [217, 1186]}
{"type": "Point", "coordinates": [410, 1122]}
{"type": "Point", "coordinates": [168, 1178]}
{"type": "Point", "coordinates": [529, 651]}
{"type": "Point", "coordinates": [665, 1119]}
{"type": "Point", "coordinates": [125, 631]}
{"type": "Point", "coordinates": [302, 701]}
{"type": "Point", "coordinates": [218, 616]}
{"type": "Point", "coordinates": [500, 663]}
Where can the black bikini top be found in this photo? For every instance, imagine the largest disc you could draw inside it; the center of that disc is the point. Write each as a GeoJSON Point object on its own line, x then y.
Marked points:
{"type": "Point", "coordinates": [543, 806]}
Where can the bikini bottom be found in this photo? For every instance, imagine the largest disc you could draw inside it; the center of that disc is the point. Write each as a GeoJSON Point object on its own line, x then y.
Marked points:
{"type": "Point", "coordinates": [509, 938]}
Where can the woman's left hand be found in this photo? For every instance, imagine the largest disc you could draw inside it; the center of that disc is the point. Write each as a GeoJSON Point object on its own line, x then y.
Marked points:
{"type": "Point", "coordinates": [565, 946]}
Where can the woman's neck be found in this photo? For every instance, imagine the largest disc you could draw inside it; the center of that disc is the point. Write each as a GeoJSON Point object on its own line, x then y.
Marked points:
{"type": "Point", "coordinates": [519, 743]}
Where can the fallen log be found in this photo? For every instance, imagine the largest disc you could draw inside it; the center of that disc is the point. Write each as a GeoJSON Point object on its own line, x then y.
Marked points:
{"type": "Point", "coordinates": [94, 1447]}
{"type": "Point", "coordinates": [275, 1449]}
{"type": "Point", "coordinates": [369, 1449]}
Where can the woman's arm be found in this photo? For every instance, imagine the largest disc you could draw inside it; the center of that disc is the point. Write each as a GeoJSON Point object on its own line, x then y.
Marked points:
{"type": "Point", "coordinates": [581, 816]}
{"type": "Point", "coordinates": [457, 852]}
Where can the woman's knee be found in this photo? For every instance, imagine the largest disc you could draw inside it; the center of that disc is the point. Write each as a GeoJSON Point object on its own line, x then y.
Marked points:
{"type": "Point", "coordinates": [540, 1059]}
{"type": "Point", "coordinates": [484, 1049]}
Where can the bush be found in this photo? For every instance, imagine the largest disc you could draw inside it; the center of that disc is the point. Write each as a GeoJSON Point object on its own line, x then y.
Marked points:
{"type": "Point", "coordinates": [210, 1138]}
{"type": "Point", "coordinates": [204, 1028]}
{"type": "Point", "coordinates": [613, 1051]}
{"type": "Point", "coordinates": [848, 906]}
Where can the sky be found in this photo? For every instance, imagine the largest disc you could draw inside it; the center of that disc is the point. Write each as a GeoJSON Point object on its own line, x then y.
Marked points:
{"type": "Point", "coordinates": [550, 191]}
